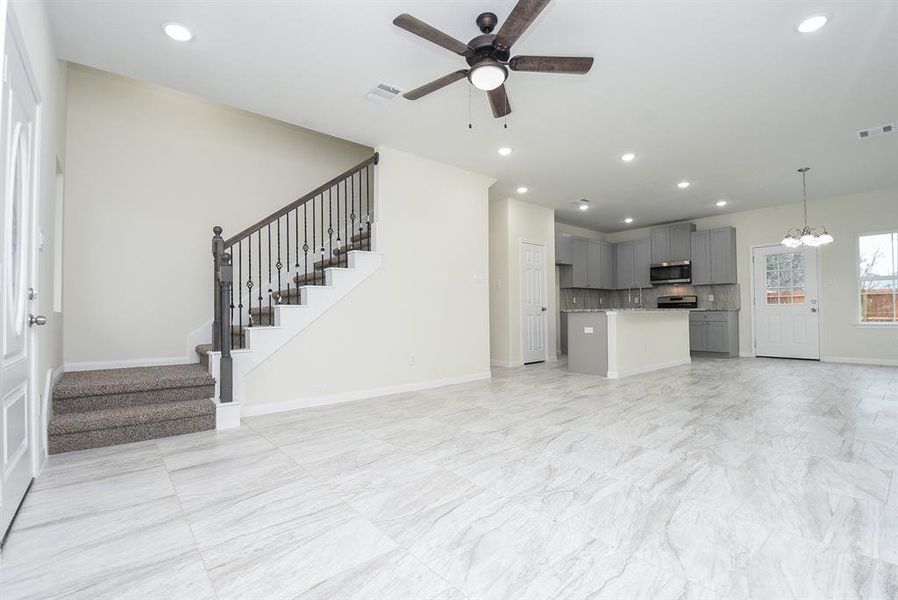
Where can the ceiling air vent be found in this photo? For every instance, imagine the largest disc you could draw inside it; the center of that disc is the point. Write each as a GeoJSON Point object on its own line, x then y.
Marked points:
{"type": "Point", "coordinates": [875, 131]}
{"type": "Point", "coordinates": [383, 93]}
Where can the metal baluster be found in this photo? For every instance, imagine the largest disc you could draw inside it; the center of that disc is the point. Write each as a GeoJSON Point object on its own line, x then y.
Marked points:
{"type": "Point", "coordinates": [338, 218]}
{"type": "Point", "coordinates": [240, 288]}
{"type": "Point", "coordinates": [305, 243]}
{"type": "Point", "coordinates": [259, 260]}
{"type": "Point", "coordinates": [322, 222]}
{"type": "Point", "coordinates": [330, 219]}
{"type": "Point", "coordinates": [270, 290]}
{"type": "Point", "coordinates": [249, 281]}
{"type": "Point", "coordinates": [278, 265]}
{"type": "Point", "coordinates": [296, 241]}
{"type": "Point", "coordinates": [288, 258]}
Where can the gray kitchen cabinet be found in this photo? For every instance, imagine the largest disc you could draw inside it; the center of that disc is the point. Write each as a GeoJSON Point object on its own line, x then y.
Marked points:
{"type": "Point", "coordinates": [714, 256]}
{"type": "Point", "coordinates": [672, 243]}
{"type": "Point", "coordinates": [626, 263]}
{"type": "Point", "coordinates": [660, 237]}
{"type": "Point", "coordinates": [562, 333]}
{"type": "Point", "coordinates": [579, 266]}
{"type": "Point", "coordinates": [701, 257]}
{"type": "Point", "coordinates": [680, 241]}
{"type": "Point", "coordinates": [723, 255]}
{"type": "Point", "coordinates": [642, 262]}
{"type": "Point", "coordinates": [594, 264]}
{"type": "Point", "coordinates": [607, 279]}
{"type": "Point", "coordinates": [564, 249]}
{"type": "Point", "coordinates": [714, 332]}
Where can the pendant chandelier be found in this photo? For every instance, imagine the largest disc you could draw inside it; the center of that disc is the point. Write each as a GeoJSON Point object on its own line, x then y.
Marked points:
{"type": "Point", "coordinates": [812, 236]}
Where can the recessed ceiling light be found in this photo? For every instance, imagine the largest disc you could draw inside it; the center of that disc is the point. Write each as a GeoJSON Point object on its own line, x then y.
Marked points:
{"type": "Point", "coordinates": [583, 204]}
{"type": "Point", "coordinates": [178, 32]}
{"type": "Point", "coordinates": [812, 24]}
{"type": "Point", "coordinates": [504, 151]}
{"type": "Point", "coordinates": [683, 185]}
{"type": "Point", "coordinates": [720, 203]}
{"type": "Point", "coordinates": [522, 189]}
{"type": "Point", "coordinates": [628, 220]}
{"type": "Point", "coordinates": [627, 157]}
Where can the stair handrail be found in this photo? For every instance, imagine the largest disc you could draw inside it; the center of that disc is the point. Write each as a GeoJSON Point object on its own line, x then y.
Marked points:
{"type": "Point", "coordinates": [227, 256]}
{"type": "Point", "coordinates": [373, 160]}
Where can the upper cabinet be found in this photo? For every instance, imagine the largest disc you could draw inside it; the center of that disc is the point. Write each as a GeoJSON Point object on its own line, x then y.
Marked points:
{"type": "Point", "coordinates": [592, 265]}
{"type": "Point", "coordinates": [672, 243]}
{"type": "Point", "coordinates": [633, 261]}
{"type": "Point", "coordinates": [564, 249]}
{"type": "Point", "coordinates": [714, 256]}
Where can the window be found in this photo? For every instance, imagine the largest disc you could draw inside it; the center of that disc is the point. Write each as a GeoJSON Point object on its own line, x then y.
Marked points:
{"type": "Point", "coordinates": [878, 278]}
{"type": "Point", "coordinates": [785, 278]}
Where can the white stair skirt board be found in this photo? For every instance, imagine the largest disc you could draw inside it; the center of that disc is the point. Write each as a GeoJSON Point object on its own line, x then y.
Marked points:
{"type": "Point", "coordinates": [290, 319]}
{"type": "Point", "coordinates": [308, 402]}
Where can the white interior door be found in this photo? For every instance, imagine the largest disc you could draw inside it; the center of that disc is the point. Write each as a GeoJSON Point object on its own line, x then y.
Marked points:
{"type": "Point", "coordinates": [534, 310]}
{"type": "Point", "coordinates": [786, 302]}
{"type": "Point", "coordinates": [17, 133]}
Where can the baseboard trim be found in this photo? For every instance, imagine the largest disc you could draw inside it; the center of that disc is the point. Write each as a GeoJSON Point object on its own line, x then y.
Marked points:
{"type": "Point", "coordinates": [276, 407]}
{"type": "Point", "coordinates": [746, 355]}
{"type": "Point", "coordinates": [124, 364]}
{"type": "Point", "coordinates": [505, 363]}
{"type": "Point", "coordinates": [649, 369]}
{"type": "Point", "coordinates": [882, 362]}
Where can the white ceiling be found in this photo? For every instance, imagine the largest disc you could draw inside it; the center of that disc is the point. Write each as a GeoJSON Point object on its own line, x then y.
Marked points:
{"type": "Point", "coordinates": [725, 94]}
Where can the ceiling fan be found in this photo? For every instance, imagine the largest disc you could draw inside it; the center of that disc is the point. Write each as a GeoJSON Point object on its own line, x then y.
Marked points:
{"type": "Point", "coordinates": [489, 55]}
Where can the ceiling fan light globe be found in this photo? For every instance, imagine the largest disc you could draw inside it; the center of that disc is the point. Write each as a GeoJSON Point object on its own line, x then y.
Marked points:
{"type": "Point", "coordinates": [488, 77]}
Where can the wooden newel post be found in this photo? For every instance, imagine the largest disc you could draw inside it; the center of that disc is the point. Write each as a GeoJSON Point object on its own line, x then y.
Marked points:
{"type": "Point", "coordinates": [225, 367]}
{"type": "Point", "coordinates": [217, 251]}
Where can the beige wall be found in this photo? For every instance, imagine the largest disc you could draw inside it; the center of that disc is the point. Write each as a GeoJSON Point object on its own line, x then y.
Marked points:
{"type": "Point", "coordinates": [511, 222]}
{"type": "Point", "coordinates": [580, 231]}
{"type": "Point", "coordinates": [149, 172]}
{"type": "Point", "coordinates": [845, 217]}
{"type": "Point", "coordinates": [49, 76]}
{"type": "Point", "coordinates": [421, 319]}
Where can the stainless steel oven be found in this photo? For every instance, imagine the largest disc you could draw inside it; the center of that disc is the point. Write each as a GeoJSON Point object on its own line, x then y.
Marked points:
{"type": "Point", "coordinates": [671, 272]}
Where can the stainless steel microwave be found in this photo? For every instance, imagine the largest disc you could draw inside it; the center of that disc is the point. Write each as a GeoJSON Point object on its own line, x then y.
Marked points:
{"type": "Point", "coordinates": [671, 272]}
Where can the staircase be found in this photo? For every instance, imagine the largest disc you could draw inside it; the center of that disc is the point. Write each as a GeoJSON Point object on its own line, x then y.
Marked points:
{"type": "Point", "coordinates": [271, 280]}
{"type": "Point", "coordinates": [118, 406]}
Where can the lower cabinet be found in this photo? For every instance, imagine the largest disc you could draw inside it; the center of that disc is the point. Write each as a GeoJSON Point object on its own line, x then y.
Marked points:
{"type": "Point", "coordinates": [714, 331]}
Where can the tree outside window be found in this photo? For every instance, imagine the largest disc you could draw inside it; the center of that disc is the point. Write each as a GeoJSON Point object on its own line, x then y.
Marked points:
{"type": "Point", "coordinates": [878, 277]}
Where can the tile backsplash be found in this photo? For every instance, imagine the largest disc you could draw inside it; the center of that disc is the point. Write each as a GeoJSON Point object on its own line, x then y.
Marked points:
{"type": "Point", "coordinates": [726, 297]}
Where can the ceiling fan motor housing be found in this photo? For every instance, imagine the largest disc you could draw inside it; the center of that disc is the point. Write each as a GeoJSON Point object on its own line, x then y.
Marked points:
{"type": "Point", "coordinates": [483, 47]}
{"type": "Point", "coordinates": [486, 22]}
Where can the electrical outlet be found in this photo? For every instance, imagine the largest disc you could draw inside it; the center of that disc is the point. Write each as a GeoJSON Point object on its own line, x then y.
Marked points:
{"type": "Point", "coordinates": [411, 360]}
{"type": "Point", "coordinates": [601, 302]}
{"type": "Point", "coordinates": [710, 297]}
{"type": "Point", "coordinates": [574, 299]}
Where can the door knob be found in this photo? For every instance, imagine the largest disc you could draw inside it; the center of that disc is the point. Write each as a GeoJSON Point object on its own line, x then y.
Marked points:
{"type": "Point", "coordinates": [813, 310]}
{"type": "Point", "coordinates": [38, 320]}
{"type": "Point", "coordinates": [544, 309]}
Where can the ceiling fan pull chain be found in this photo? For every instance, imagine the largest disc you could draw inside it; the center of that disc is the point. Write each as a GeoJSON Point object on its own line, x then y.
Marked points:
{"type": "Point", "coordinates": [470, 125]}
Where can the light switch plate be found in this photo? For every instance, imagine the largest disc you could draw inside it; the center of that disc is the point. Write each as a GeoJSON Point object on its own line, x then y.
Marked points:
{"type": "Point", "coordinates": [588, 330]}
{"type": "Point", "coordinates": [710, 297]}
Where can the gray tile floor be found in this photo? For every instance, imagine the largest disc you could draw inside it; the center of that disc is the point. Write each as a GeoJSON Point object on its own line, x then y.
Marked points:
{"type": "Point", "coordinates": [729, 479]}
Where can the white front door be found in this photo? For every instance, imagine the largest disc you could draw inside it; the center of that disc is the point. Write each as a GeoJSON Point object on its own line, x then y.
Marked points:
{"type": "Point", "coordinates": [534, 310]}
{"type": "Point", "coordinates": [786, 302]}
{"type": "Point", "coordinates": [17, 134]}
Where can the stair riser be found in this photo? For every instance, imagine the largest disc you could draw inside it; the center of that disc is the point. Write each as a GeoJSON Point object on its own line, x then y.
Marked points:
{"type": "Point", "coordinates": [72, 405]}
{"type": "Point", "coordinates": [129, 434]}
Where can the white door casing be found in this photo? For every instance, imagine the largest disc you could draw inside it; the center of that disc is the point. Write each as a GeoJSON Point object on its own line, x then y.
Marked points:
{"type": "Point", "coordinates": [17, 256]}
{"type": "Point", "coordinates": [786, 302]}
{"type": "Point", "coordinates": [534, 309]}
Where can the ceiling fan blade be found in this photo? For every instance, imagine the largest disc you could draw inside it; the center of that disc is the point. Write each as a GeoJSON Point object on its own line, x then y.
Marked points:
{"type": "Point", "coordinates": [499, 101]}
{"type": "Point", "coordinates": [431, 34]}
{"type": "Point", "coordinates": [551, 64]}
{"type": "Point", "coordinates": [435, 85]}
{"type": "Point", "coordinates": [522, 15]}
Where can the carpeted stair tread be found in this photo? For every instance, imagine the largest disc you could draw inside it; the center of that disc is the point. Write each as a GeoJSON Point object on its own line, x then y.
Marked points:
{"type": "Point", "coordinates": [313, 278]}
{"type": "Point", "coordinates": [135, 379]}
{"type": "Point", "coordinates": [129, 433]}
{"type": "Point", "coordinates": [340, 260]}
{"type": "Point", "coordinates": [364, 235]}
{"type": "Point", "coordinates": [349, 248]}
{"type": "Point", "coordinates": [111, 418]}
{"type": "Point", "coordinates": [130, 399]}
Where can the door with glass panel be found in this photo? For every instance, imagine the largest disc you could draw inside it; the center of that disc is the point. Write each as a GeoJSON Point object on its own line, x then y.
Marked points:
{"type": "Point", "coordinates": [786, 302]}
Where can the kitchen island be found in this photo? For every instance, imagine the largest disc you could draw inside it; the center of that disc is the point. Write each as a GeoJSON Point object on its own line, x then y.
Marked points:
{"type": "Point", "coordinates": [618, 343]}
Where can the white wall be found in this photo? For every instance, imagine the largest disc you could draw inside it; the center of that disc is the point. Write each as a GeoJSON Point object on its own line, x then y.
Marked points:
{"type": "Point", "coordinates": [150, 171]}
{"type": "Point", "coordinates": [842, 339]}
{"type": "Point", "coordinates": [49, 76]}
{"type": "Point", "coordinates": [421, 320]}
{"type": "Point", "coordinates": [513, 221]}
